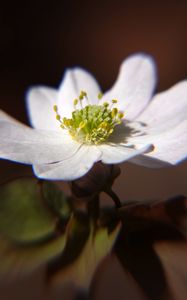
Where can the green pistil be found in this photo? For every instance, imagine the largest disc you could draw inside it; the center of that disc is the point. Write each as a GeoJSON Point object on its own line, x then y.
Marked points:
{"type": "Point", "coordinates": [92, 124]}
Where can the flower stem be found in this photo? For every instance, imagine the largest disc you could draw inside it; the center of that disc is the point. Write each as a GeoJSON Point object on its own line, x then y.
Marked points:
{"type": "Point", "coordinates": [93, 208]}
{"type": "Point", "coordinates": [81, 296]}
{"type": "Point", "coordinates": [114, 197]}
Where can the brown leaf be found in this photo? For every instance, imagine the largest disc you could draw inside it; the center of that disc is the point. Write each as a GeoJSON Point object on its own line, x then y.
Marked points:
{"type": "Point", "coordinates": [173, 256]}
{"type": "Point", "coordinates": [172, 212]}
{"type": "Point", "coordinates": [111, 281]}
{"type": "Point", "coordinates": [145, 228]}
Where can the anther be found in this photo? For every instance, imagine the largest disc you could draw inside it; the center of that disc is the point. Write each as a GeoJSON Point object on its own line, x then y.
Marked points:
{"type": "Point", "coordinates": [58, 117]}
{"type": "Point", "coordinates": [121, 115]}
{"type": "Point", "coordinates": [114, 112]}
{"type": "Point", "coordinates": [106, 104]}
{"type": "Point", "coordinates": [55, 107]}
{"type": "Point", "coordinates": [91, 124]}
{"type": "Point", "coordinates": [100, 96]}
{"type": "Point", "coordinates": [84, 93]}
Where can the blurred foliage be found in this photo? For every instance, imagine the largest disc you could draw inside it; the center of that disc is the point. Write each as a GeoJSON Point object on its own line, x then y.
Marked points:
{"type": "Point", "coordinates": [82, 269]}
{"type": "Point", "coordinates": [40, 225]}
{"type": "Point", "coordinates": [24, 216]}
{"type": "Point", "coordinates": [19, 259]}
{"type": "Point", "coordinates": [56, 200]}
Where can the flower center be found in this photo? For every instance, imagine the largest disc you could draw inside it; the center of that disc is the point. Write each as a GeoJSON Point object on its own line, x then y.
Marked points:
{"type": "Point", "coordinates": [91, 124]}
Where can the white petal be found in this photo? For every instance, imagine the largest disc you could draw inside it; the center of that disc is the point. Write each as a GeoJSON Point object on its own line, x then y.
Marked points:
{"type": "Point", "coordinates": [134, 85]}
{"type": "Point", "coordinates": [112, 154]}
{"type": "Point", "coordinates": [169, 146]}
{"type": "Point", "coordinates": [5, 117]}
{"type": "Point", "coordinates": [40, 102]}
{"type": "Point", "coordinates": [74, 81]}
{"type": "Point", "coordinates": [167, 109]}
{"type": "Point", "coordinates": [26, 145]}
{"type": "Point", "coordinates": [150, 162]}
{"type": "Point", "coordinates": [74, 167]}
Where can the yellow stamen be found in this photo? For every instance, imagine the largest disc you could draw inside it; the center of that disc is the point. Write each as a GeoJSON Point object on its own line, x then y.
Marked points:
{"type": "Point", "coordinates": [114, 112]}
{"type": "Point", "coordinates": [55, 107]}
{"type": "Point", "coordinates": [100, 96]}
{"type": "Point", "coordinates": [58, 117]}
{"type": "Point", "coordinates": [91, 123]}
{"type": "Point", "coordinates": [120, 115]}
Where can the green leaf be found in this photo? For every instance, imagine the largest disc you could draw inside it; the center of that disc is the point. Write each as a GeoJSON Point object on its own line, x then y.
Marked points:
{"type": "Point", "coordinates": [56, 199]}
{"type": "Point", "coordinates": [24, 215]}
{"type": "Point", "coordinates": [82, 269]}
{"type": "Point", "coordinates": [18, 259]}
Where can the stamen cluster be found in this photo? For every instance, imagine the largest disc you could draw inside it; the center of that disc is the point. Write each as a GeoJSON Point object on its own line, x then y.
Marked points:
{"type": "Point", "coordinates": [91, 124]}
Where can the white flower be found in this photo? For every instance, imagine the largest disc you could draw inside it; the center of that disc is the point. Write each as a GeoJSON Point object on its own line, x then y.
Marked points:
{"type": "Point", "coordinates": [65, 146]}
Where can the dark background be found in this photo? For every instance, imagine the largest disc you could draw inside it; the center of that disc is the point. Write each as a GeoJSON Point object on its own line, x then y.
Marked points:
{"type": "Point", "coordinates": [40, 39]}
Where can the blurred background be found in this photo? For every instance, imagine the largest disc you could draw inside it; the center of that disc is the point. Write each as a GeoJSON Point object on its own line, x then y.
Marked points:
{"type": "Point", "coordinates": [40, 39]}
